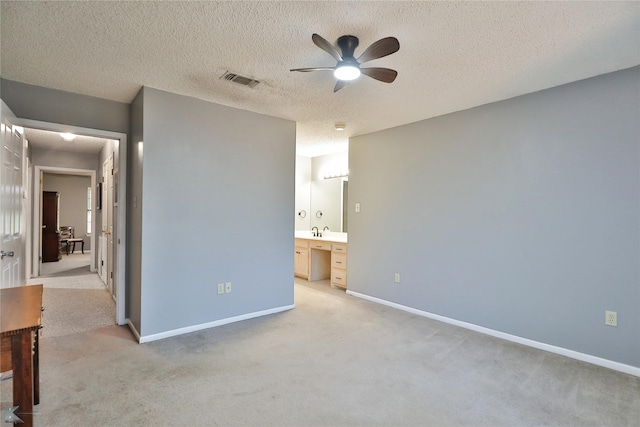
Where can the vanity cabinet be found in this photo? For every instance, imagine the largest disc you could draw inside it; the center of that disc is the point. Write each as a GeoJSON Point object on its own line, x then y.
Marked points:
{"type": "Point", "coordinates": [301, 258]}
{"type": "Point", "coordinates": [316, 259]}
{"type": "Point", "coordinates": [339, 265]}
{"type": "Point", "coordinates": [320, 245]}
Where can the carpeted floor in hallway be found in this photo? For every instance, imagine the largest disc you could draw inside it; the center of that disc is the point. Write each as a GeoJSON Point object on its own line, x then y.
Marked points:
{"type": "Point", "coordinates": [72, 304]}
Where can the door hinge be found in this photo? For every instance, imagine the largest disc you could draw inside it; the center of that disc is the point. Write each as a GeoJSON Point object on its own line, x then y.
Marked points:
{"type": "Point", "coordinates": [111, 275]}
{"type": "Point", "coordinates": [101, 262]}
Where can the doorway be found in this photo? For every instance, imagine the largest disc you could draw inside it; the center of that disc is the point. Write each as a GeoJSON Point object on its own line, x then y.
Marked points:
{"type": "Point", "coordinates": [43, 234]}
{"type": "Point", "coordinates": [118, 210]}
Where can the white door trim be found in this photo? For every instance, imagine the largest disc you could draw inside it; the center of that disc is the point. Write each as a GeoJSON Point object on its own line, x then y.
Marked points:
{"type": "Point", "coordinates": [121, 243]}
{"type": "Point", "coordinates": [37, 218]}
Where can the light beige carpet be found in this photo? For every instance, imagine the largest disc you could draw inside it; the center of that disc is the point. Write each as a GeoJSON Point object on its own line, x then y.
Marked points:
{"type": "Point", "coordinates": [70, 311]}
{"type": "Point", "coordinates": [84, 281]}
{"type": "Point", "coordinates": [69, 265]}
{"type": "Point", "coordinates": [334, 360]}
{"type": "Point", "coordinates": [73, 305]}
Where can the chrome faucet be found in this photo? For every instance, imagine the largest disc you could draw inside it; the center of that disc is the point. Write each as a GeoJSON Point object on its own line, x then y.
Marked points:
{"type": "Point", "coordinates": [315, 233]}
{"type": "Point", "coordinates": [326, 228]}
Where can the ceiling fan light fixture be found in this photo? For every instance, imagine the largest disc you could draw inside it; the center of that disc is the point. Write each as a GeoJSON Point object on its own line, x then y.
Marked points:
{"type": "Point", "coordinates": [348, 67]}
{"type": "Point", "coordinates": [347, 72]}
{"type": "Point", "coordinates": [68, 136]}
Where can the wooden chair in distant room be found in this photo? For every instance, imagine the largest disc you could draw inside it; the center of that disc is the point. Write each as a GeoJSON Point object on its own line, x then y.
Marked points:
{"type": "Point", "coordinates": [66, 232]}
{"type": "Point", "coordinates": [68, 238]}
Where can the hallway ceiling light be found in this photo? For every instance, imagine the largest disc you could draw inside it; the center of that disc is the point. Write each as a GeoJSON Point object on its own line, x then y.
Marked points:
{"type": "Point", "coordinates": [68, 136]}
{"type": "Point", "coordinates": [340, 126]}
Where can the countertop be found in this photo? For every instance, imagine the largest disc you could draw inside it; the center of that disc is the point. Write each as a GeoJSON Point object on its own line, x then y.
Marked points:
{"type": "Point", "coordinates": [327, 236]}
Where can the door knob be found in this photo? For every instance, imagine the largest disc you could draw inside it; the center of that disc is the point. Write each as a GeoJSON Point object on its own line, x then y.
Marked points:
{"type": "Point", "coordinates": [4, 254]}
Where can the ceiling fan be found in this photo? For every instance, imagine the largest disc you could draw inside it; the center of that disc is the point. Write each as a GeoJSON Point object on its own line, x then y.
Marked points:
{"type": "Point", "coordinates": [348, 67]}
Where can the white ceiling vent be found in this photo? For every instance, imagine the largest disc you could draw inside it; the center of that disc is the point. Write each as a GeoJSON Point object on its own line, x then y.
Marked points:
{"type": "Point", "coordinates": [237, 78]}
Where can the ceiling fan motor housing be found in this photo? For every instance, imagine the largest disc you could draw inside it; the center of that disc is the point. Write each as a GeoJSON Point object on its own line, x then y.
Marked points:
{"type": "Point", "coordinates": [347, 45]}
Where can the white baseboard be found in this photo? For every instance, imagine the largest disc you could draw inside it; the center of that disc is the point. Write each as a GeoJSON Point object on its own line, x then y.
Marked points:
{"type": "Point", "coordinates": [194, 328]}
{"type": "Point", "coordinates": [616, 366]}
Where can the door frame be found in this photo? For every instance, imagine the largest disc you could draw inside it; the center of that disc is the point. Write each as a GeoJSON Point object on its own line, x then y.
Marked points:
{"type": "Point", "coordinates": [121, 215]}
{"type": "Point", "coordinates": [37, 209]}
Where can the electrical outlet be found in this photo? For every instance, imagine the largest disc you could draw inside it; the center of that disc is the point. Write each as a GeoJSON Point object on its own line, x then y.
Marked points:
{"type": "Point", "coordinates": [397, 278]}
{"type": "Point", "coordinates": [227, 287]}
{"type": "Point", "coordinates": [611, 318]}
{"type": "Point", "coordinates": [220, 288]}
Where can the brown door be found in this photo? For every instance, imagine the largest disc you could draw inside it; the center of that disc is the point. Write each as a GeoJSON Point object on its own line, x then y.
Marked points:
{"type": "Point", "coordinates": [50, 235]}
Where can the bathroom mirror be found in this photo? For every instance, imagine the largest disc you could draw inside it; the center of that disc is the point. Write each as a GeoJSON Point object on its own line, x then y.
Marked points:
{"type": "Point", "coordinates": [329, 196]}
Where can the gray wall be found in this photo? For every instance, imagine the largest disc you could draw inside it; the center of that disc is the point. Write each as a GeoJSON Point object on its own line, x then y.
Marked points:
{"type": "Point", "coordinates": [64, 159]}
{"type": "Point", "coordinates": [55, 106]}
{"type": "Point", "coordinates": [73, 201]}
{"type": "Point", "coordinates": [218, 192]}
{"type": "Point", "coordinates": [520, 216]}
{"type": "Point", "coordinates": [134, 214]}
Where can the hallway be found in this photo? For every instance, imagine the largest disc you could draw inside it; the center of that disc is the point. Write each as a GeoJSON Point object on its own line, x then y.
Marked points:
{"type": "Point", "coordinates": [75, 299]}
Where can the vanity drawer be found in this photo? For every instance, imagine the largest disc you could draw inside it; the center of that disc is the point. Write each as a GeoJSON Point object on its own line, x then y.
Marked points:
{"type": "Point", "coordinates": [317, 244]}
{"type": "Point", "coordinates": [302, 243]}
{"type": "Point", "coordinates": [339, 247]}
{"type": "Point", "coordinates": [339, 277]}
{"type": "Point", "coordinates": [339, 260]}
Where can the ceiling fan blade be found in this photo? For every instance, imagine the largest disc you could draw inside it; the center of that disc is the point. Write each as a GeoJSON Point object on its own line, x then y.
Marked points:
{"type": "Point", "coordinates": [386, 75]}
{"type": "Point", "coordinates": [340, 85]}
{"type": "Point", "coordinates": [306, 70]}
{"type": "Point", "coordinates": [323, 44]}
{"type": "Point", "coordinates": [379, 49]}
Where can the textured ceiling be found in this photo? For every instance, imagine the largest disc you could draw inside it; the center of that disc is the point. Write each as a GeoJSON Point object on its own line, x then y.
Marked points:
{"type": "Point", "coordinates": [453, 55]}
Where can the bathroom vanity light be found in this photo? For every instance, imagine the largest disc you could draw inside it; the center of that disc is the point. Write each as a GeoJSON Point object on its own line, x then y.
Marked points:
{"type": "Point", "coordinates": [336, 174]}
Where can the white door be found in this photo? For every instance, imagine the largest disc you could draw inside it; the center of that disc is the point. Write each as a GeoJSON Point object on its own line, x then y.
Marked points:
{"type": "Point", "coordinates": [106, 237]}
{"type": "Point", "coordinates": [109, 209]}
{"type": "Point", "coordinates": [12, 270]}
{"type": "Point", "coordinates": [102, 240]}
